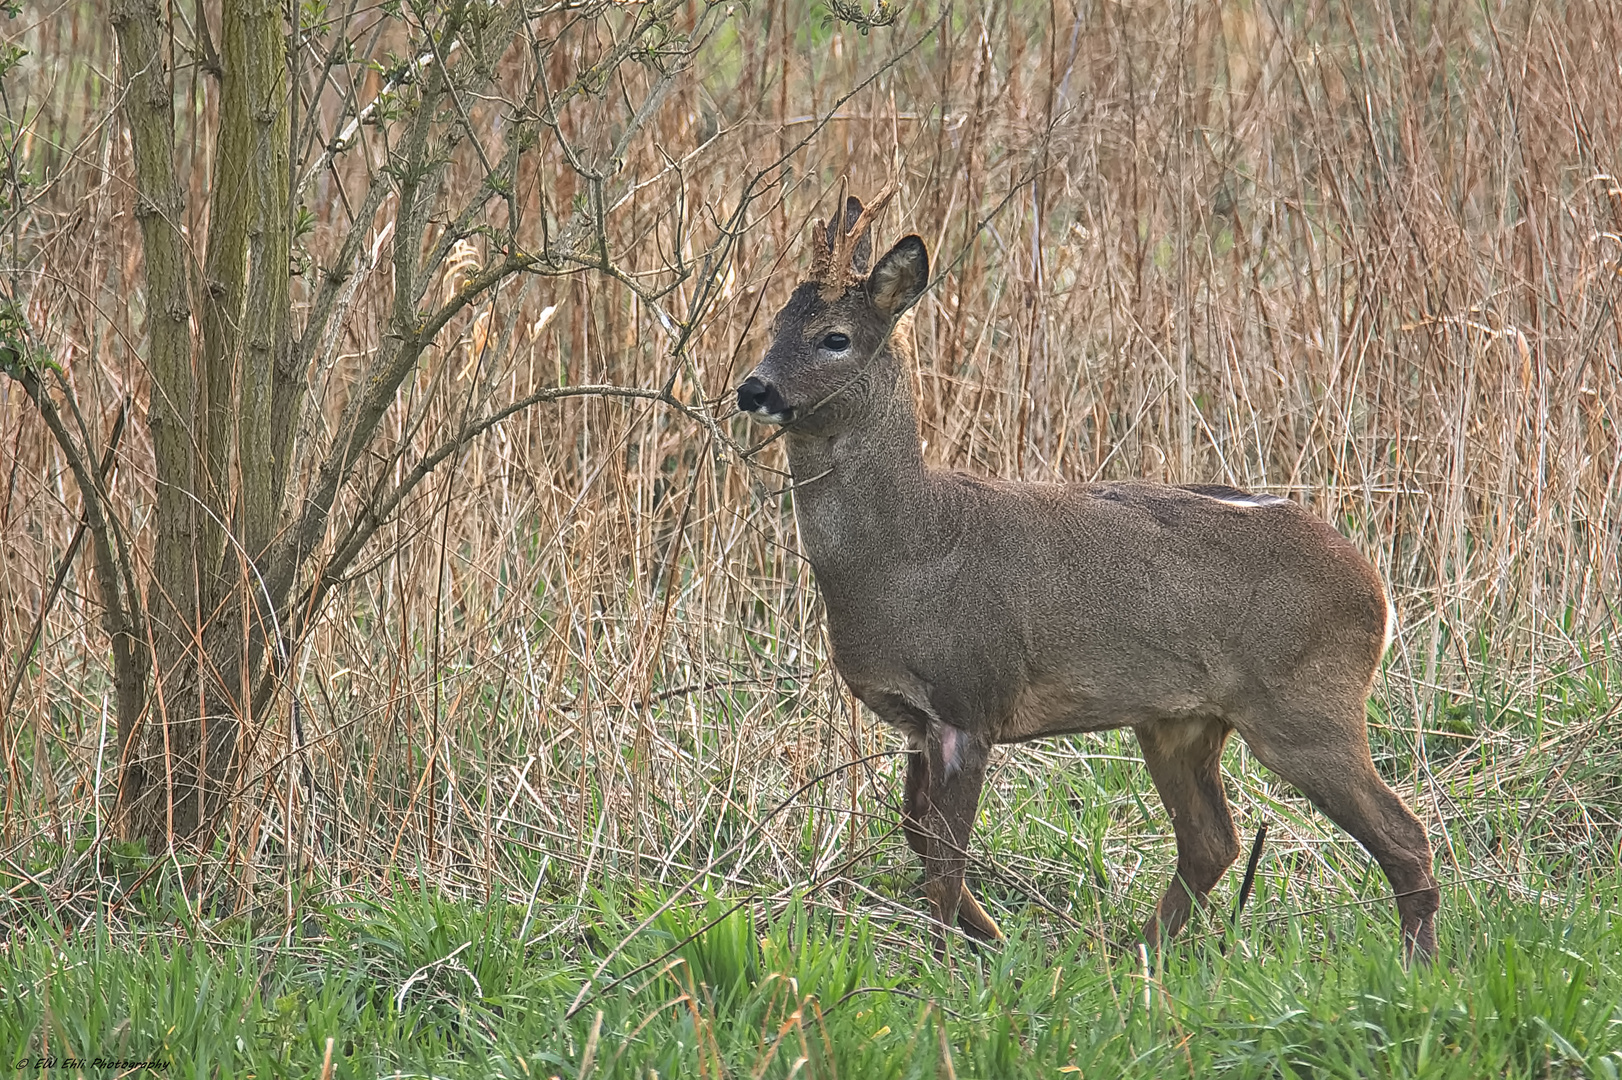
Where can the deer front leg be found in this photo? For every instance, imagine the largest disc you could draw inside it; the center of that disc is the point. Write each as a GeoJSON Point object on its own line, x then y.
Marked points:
{"type": "Point", "coordinates": [971, 917]}
{"type": "Point", "coordinates": [956, 764]}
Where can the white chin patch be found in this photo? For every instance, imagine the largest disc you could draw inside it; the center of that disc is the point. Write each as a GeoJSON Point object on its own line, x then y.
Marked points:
{"type": "Point", "coordinates": [770, 417]}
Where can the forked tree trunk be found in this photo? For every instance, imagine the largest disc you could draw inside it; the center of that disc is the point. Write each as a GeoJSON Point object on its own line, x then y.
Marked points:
{"type": "Point", "coordinates": [221, 412]}
{"type": "Point", "coordinates": [194, 650]}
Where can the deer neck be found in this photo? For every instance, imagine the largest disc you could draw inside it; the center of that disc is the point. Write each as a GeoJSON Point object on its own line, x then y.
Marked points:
{"type": "Point", "coordinates": [864, 491]}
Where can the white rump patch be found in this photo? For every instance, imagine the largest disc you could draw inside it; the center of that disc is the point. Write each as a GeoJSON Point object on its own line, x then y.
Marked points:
{"type": "Point", "coordinates": [1390, 626]}
{"type": "Point", "coordinates": [1249, 502]}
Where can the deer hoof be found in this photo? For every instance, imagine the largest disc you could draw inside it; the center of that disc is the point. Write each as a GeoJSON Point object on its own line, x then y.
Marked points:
{"type": "Point", "coordinates": [974, 921]}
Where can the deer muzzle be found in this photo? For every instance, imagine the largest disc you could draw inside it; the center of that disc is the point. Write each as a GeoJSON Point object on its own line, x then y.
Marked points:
{"type": "Point", "coordinates": [763, 399]}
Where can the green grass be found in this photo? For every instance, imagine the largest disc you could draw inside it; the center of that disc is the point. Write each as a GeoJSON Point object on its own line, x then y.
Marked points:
{"type": "Point", "coordinates": [778, 931]}
{"type": "Point", "coordinates": [422, 986]}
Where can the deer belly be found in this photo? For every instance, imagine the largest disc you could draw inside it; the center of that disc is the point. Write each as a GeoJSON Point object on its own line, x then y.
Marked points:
{"type": "Point", "coordinates": [1065, 707]}
{"type": "Point", "coordinates": [1054, 708]}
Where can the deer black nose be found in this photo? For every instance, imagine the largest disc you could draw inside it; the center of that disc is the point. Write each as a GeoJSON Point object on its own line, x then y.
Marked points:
{"type": "Point", "coordinates": [751, 394]}
{"type": "Point", "coordinates": [756, 395]}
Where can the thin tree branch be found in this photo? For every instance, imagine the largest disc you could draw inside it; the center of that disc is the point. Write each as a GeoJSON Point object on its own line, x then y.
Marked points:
{"type": "Point", "coordinates": [347, 135]}
{"type": "Point", "coordinates": [381, 511]}
{"type": "Point", "coordinates": [66, 563]}
{"type": "Point", "coordinates": [333, 278]}
{"type": "Point", "coordinates": [120, 596]}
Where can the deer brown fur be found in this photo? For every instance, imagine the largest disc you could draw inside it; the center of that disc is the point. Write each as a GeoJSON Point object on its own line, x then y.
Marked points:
{"type": "Point", "coordinates": [969, 612]}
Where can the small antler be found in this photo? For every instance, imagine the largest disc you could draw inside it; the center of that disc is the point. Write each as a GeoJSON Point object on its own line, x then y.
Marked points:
{"type": "Point", "coordinates": [841, 247]}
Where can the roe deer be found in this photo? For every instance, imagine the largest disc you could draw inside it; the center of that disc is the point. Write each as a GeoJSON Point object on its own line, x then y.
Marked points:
{"type": "Point", "coordinates": [970, 612]}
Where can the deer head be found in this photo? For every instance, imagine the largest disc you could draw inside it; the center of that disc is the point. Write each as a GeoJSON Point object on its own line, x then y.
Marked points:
{"type": "Point", "coordinates": [829, 363]}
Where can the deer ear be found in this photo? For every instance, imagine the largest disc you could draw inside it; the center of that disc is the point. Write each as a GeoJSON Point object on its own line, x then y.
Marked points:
{"type": "Point", "coordinates": [900, 277]}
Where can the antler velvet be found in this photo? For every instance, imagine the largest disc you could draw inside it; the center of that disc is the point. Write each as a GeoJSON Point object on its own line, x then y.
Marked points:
{"type": "Point", "coordinates": [842, 247]}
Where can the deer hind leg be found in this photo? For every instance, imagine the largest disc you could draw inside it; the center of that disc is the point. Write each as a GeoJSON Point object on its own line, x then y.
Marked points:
{"type": "Point", "coordinates": [971, 917]}
{"type": "Point", "coordinates": [1185, 760]}
{"type": "Point", "coordinates": [1326, 756]}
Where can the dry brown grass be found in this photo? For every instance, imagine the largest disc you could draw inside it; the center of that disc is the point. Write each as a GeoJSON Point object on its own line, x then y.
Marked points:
{"type": "Point", "coordinates": [1326, 250]}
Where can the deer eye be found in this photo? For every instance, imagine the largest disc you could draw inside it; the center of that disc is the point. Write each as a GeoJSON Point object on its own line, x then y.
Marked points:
{"type": "Point", "coordinates": [836, 342]}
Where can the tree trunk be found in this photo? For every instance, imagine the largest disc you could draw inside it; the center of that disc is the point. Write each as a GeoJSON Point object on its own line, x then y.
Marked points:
{"type": "Point", "coordinates": [219, 460]}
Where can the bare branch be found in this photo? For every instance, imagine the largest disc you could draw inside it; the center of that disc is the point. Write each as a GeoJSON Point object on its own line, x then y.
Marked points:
{"type": "Point", "coordinates": [66, 562]}
{"type": "Point", "coordinates": [381, 511]}
{"type": "Point", "coordinates": [351, 131]}
{"type": "Point", "coordinates": [335, 277]}
{"type": "Point", "coordinates": [120, 596]}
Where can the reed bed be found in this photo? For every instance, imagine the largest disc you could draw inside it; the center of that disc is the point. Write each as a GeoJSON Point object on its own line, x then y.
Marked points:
{"type": "Point", "coordinates": [1360, 257]}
